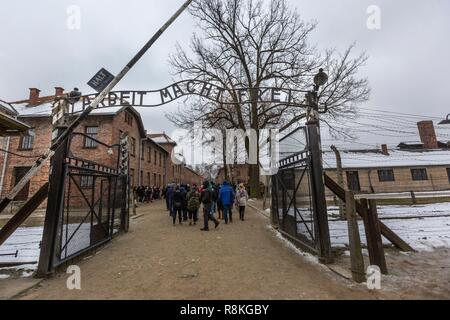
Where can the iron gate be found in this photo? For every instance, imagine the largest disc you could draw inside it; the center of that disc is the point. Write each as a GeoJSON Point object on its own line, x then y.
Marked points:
{"type": "Point", "coordinates": [92, 204]}
{"type": "Point", "coordinates": [297, 206]}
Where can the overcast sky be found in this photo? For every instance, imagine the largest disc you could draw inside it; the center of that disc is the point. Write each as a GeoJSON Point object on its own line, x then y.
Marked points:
{"type": "Point", "coordinates": [408, 68]}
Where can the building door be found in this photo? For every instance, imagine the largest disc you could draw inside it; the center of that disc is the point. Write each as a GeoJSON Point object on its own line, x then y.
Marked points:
{"type": "Point", "coordinates": [353, 181]}
{"type": "Point", "coordinates": [19, 173]}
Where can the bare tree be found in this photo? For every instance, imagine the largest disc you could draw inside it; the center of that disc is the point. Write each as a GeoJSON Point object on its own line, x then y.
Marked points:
{"type": "Point", "coordinates": [254, 44]}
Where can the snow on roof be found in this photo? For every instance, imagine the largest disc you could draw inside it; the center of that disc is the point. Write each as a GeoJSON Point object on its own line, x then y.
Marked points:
{"type": "Point", "coordinates": [7, 107]}
{"type": "Point", "coordinates": [161, 138]}
{"type": "Point", "coordinates": [45, 110]}
{"type": "Point", "coordinates": [396, 158]}
{"type": "Point", "coordinates": [412, 142]}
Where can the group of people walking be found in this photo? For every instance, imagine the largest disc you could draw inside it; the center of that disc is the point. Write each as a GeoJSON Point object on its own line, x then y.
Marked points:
{"type": "Point", "coordinates": [184, 202]}
{"type": "Point", "coordinates": [147, 194]}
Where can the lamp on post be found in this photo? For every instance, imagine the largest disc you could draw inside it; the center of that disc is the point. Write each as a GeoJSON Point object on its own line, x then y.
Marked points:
{"type": "Point", "coordinates": [446, 121]}
{"type": "Point", "coordinates": [320, 79]}
{"type": "Point", "coordinates": [312, 97]}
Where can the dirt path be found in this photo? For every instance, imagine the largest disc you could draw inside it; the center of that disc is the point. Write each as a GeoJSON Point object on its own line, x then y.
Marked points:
{"type": "Point", "coordinates": [155, 260]}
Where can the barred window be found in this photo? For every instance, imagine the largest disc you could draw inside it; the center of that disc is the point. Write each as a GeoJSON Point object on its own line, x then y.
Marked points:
{"type": "Point", "coordinates": [353, 181]}
{"type": "Point", "coordinates": [419, 174]}
{"type": "Point", "coordinates": [88, 180]}
{"type": "Point", "coordinates": [27, 141]}
{"type": "Point", "coordinates": [149, 154]}
{"type": "Point", "coordinates": [386, 175]}
{"type": "Point", "coordinates": [128, 118]}
{"type": "Point", "coordinates": [91, 132]}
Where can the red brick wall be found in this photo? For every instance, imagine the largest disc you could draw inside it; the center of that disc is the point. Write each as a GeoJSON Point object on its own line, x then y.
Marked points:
{"type": "Point", "coordinates": [239, 174]}
{"type": "Point", "coordinates": [190, 177]}
{"type": "Point", "coordinates": [154, 168]}
{"type": "Point", "coordinates": [42, 142]}
{"type": "Point", "coordinates": [109, 128]}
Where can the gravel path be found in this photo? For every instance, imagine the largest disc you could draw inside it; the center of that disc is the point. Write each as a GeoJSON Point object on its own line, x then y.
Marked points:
{"type": "Point", "coordinates": [242, 260]}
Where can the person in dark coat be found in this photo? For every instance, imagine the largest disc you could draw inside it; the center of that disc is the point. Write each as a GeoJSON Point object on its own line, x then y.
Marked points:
{"type": "Point", "coordinates": [178, 201]}
{"type": "Point", "coordinates": [169, 198]}
{"type": "Point", "coordinates": [206, 198]}
{"type": "Point", "coordinates": [184, 209]}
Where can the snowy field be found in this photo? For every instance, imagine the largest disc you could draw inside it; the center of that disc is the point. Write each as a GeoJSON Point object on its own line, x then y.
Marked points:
{"type": "Point", "coordinates": [26, 242]}
{"type": "Point", "coordinates": [424, 227]}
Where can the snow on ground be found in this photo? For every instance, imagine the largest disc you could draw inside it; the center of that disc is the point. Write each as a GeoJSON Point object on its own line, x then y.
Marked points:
{"type": "Point", "coordinates": [26, 242]}
{"type": "Point", "coordinates": [424, 227]}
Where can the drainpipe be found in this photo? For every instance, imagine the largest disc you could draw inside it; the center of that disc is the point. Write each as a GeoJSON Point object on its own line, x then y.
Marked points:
{"type": "Point", "coordinates": [141, 150]}
{"type": "Point", "coordinates": [5, 161]}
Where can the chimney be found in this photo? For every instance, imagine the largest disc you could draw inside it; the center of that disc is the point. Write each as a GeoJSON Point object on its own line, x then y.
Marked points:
{"type": "Point", "coordinates": [59, 91]}
{"type": "Point", "coordinates": [34, 96]}
{"type": "Point", "coordinates": [384, 149]}
{"type": "Point", "coordinates": [427, 134]}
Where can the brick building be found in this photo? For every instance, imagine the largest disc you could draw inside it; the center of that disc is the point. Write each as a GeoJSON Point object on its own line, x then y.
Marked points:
{"type": "Point", "coordinates": [239, 173]}
{"type": "Point", "coordinates": [177, 171]}
{"type": "Point", "coordinates": [150, 161]}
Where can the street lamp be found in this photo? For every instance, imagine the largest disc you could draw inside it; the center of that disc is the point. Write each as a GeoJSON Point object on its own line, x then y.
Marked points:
{"type": "Point", "coordinates": [446, 121]}
{"type": "Point", "coordinates": [320, 79]}
{"type": "Point", "coordinates": [313, 97]}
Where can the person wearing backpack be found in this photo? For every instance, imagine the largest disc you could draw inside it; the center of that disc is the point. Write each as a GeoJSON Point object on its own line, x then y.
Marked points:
{"type": "Point", "coordinates": [241, 200]}
{"type": "Point", "coordinates": [193, 204]}
{"type": "Point", "coordinates": [178, 200]}
{"type": "Point", "coordinates": [206, 198]}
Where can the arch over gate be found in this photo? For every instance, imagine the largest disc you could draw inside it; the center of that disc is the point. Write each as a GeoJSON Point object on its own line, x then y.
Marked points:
{"type": "Point", "coordinates": [208, 90]}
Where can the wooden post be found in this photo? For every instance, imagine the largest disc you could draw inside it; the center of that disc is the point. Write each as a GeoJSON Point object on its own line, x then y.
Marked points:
{"type": "Point", "coordinates": [340, 179]}
{"type": "Point", "coordinates": [413, 197]}
{"type": "Point", "coordinates": [356, 257]}
{"type": "Point", "coordinates": [24, 212]}
{"type": "Point", "coordinates": [364, 208]}
{"type": "Point", "coordinates": [379, 258]}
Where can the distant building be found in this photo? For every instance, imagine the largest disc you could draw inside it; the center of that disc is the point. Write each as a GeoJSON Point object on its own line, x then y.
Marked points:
{"type": "Point", "coordinates": [238, 173]}
{"type": "Point", "coordinates": [413, 166]}
{"type": "Point", "coordinates": [178, 171]}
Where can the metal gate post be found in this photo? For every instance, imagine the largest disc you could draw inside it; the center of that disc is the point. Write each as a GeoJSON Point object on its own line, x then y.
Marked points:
{"type": "Point", "coordinates": [318, 192]}
{"type": "Point", "coordinates": [55, 203]}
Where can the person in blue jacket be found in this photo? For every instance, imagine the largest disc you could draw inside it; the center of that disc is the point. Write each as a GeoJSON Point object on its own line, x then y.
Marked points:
{"type": "Point", "coordinates": [226, 197]}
